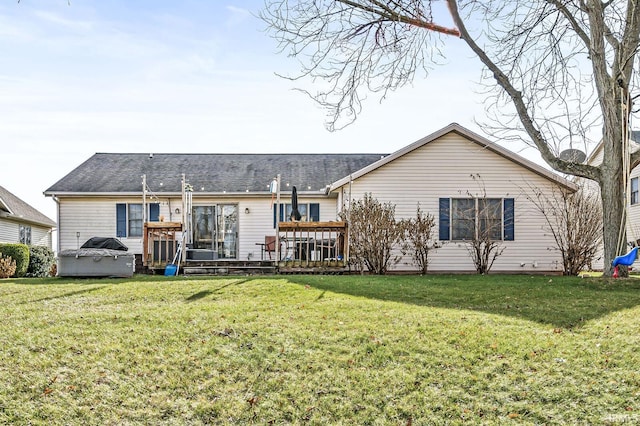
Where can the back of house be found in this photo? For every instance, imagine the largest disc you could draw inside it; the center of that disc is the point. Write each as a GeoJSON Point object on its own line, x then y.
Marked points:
{"type": "Point", "coordinates": [225, 205]}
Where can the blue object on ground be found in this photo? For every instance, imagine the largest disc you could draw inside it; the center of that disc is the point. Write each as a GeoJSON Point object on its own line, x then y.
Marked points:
{"type": "Point", "coordinates": [170, 270]}
{"type": "Point", "coordinates": [627, 259]}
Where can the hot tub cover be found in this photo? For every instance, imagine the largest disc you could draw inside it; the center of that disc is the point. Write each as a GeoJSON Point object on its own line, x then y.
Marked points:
{"type": "Point", "coordinates": [104, 243]}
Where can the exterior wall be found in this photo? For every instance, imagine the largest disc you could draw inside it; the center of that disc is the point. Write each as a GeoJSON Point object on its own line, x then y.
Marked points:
{"type": "Point", "coordinates": [633, 228]}
{"type": "Point", "coordinates": [443, 168]}
{"type": "Point", "coordinates": [96, 217]}
{"type": "Point", "coordinates": [41, 236]}
{"type": "Point", "coordinates": [91, 217]}
{"type": "Point", "coordinates": [10, 233]}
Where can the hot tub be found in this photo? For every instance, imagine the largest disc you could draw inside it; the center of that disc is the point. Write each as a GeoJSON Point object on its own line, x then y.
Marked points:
{"type": "Point", "coordinates": [92, 262]}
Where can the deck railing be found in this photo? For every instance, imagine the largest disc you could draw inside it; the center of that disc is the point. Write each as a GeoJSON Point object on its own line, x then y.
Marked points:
{"type": "Point", "coordinates": [160, 243]}
{"type": "Point", "coordinates": [312, 244]}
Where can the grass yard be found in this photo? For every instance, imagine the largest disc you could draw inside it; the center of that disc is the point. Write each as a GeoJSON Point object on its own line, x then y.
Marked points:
{"type": "Point", "coordinates": [395, 350]}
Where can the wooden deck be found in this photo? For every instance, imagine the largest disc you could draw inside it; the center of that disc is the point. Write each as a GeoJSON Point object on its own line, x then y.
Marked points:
{"type": "Point", "coordinates": [314, 247]}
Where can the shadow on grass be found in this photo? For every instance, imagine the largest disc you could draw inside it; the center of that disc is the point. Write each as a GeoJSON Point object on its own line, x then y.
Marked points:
{"type": "Point", "coordinates": [68, 294]}
{"type": "Point", "coordinates": [566, 302]}
{"type": "Point", "coordinates": [68, 280]}
{"type": "Point", "coordinates": [204, 293]}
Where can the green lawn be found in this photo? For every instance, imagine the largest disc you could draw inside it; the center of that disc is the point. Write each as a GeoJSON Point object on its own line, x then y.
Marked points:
{"type": "Point", "coordinates": [301, 349]}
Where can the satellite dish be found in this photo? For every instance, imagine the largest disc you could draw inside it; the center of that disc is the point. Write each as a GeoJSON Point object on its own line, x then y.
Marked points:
{"type": "Point", "coordinates": [573, 155]}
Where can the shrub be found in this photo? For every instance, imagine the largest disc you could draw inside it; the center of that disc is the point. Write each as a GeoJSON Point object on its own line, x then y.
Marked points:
{"type": "Point", "coordinates": [373, 234]}
{"type": "Point", "coordinates": [575, 222]}
{"type": "Point", "coordinates": [7, 266]}
{"type": "Point", "coordinates": [419, 238]}
{"type": "Point", "coordinates": [40, 260]}
{"type": "Point", "coordinates": [20, 254]}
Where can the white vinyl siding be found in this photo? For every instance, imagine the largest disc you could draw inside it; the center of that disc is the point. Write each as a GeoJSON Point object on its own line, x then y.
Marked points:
{"type": "Point", "coordinates": [41, 236]}
{"type": "Point", "coordinates": [10, 233]}
{"type": "Point", "coordinates": [443, 168]}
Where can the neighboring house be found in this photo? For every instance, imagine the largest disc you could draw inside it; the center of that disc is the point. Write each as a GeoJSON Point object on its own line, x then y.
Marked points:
{"type": "Point", "coordinates": [233, 209]}
{"type": "Point", "coordinates": [21, 223]}
{"type": "Point", "coordinates": [633, 208]}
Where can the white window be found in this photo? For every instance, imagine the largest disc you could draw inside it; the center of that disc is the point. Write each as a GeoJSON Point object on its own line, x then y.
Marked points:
{"type": "Point", "coordinates": [486, 212]}
{"type": "Point", "coordinates": [25, 234]}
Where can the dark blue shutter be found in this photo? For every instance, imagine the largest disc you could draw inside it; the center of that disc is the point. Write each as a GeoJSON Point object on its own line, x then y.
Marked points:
{"type": "Point", "coordinates": [154, 212]}
{"type": "Point", "coordinates": [509, 219]}
{"type": "Point", "coordinates": [277, 207]}
{"type": "Point", "coordinates": [121, 220]}
{"type": "Point", "coordinates": [444, 218]}
{"type": "Point", "coordinates": [314, 212]}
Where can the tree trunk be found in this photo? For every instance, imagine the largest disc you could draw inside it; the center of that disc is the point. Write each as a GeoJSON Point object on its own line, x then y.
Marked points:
{"type": "Point", "coordinates": [613, 197]}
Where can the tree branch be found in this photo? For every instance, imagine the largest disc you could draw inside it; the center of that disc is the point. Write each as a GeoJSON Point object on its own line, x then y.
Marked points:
{"type": "Point", "coordinates": [501, 78]}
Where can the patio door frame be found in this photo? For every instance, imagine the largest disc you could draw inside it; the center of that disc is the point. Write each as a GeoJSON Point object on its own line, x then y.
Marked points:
{"type": "Point", "coordinates": [221, 229]}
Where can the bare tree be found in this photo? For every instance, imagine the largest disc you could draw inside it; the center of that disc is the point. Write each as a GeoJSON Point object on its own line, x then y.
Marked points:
{"type": "Point", "coordinates": [480, 221]}
{"type": "Point", "coordinates": [566, 67]}
{"type": "Point", "coordinates": [575, 221]}
{"type": "Point", "coordinates": [418, 239]}
{"type": "Point", "coordinates": [374, 234]}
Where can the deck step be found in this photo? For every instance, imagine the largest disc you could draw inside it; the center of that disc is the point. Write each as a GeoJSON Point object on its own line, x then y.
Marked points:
{"type": "Point", "coordinates": [228, 270]}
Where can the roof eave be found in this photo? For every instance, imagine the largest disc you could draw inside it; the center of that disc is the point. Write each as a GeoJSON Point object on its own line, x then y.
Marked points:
{"type": "Point", "coordinates": [318, 193]}
{"type": "Point", "coordinates": [5, 206]}
{"type": "Point", "coordinates": [21, 219]}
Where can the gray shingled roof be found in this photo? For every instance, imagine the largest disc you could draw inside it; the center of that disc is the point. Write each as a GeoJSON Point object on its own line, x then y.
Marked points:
{"type": "Point", "coordinates": [113, 173]}
{"type": "Point", "coordinates": [13, 207]}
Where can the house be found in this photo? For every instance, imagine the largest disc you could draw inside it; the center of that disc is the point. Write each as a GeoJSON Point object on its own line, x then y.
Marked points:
{"type": "Point", "coordinates": [595, 158]}
{"type": "Point", "coordinates": [228, 207]}
{"type": "Point", "coordinates": [21, 223]}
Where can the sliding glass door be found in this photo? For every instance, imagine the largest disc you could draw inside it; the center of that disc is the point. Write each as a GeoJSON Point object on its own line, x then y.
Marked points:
{"type": "Point", "coordinates": [215, 228]}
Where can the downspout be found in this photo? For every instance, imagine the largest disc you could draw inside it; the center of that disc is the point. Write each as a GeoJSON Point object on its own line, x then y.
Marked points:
{"type": "Point", "coordinates": [57, 201]}
{"type": "Point", "coordinates": [144, 199]}
{"type": "Point", "coordinates": [346, 254]}
{"type": "Point", "coordinates": [277, 207]}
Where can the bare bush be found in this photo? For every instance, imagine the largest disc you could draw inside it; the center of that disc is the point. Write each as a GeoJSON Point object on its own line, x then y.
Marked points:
{"type": "Point", "coordinates": [7, 266]}
{"type": "Point", "coordinates": [374, 233]}
{"type": "Point", "coordinates": [419, 238]}
{"type": "Point", "coordinates": [575, 221]}
{"type": "Point", "coordinates": [485, 246]}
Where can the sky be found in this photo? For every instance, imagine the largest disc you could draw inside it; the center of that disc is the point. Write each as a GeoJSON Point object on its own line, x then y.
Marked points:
{"type": "Point", "coordinates": [191, 76]}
